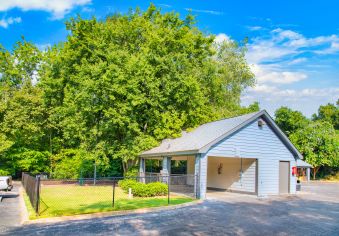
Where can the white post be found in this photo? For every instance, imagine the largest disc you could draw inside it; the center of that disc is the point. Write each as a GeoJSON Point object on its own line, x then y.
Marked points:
{"type": "Point", "coordinates": [142, 167]}
{"type": "Point", "coordinates": [130, 193]}
{"type": "Point", "coordinates": [202, 183]}
{"type": "Point", "coordinates": [196, 175]}
{"type": "Point", "coordinates": [308, 173]}
{"type": "Point", "coordinates": [166, 165]}
{"type": "Point", "coordinates": [166, 169]}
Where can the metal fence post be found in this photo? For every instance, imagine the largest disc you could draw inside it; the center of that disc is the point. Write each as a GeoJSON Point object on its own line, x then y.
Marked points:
{"type": "Point", "coordinates": [113, 193]}
{"type": "Point", "coordinates": [37, 194]}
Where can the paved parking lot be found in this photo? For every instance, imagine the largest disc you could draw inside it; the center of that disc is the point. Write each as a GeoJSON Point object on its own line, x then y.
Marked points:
{"type": "Point", "coordinates": [315, 211]}
{"type": "Point", "coordinates": [11, 212]}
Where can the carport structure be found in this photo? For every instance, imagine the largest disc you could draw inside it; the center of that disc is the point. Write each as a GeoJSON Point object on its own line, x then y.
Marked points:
{"type": "Point", "coordinates": [247, 153]}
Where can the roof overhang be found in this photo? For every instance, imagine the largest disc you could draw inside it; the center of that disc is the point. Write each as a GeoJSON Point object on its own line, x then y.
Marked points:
{"type": "Point", "coordinates": [175, 153]}
{"type": "Point", "coordinates": [304, 164]}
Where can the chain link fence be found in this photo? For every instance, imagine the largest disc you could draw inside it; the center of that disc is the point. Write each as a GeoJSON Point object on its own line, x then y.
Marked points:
{"type": "Point", "coordinates": [57, 197]}
{"type": "Point", "coordinates": [32, 187]}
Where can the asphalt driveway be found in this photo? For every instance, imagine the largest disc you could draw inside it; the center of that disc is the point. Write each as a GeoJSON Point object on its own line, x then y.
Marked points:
{"type": "Point", "coordinates": [12, 210]}
{"type": "Point", "coordinates": [315, 211]}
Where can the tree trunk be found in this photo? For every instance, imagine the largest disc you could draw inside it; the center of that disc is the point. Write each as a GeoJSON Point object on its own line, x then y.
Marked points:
{"type": "Point", "coordinates": [315, 170]}
{"type": "Point", "coordinates": [126, 165]}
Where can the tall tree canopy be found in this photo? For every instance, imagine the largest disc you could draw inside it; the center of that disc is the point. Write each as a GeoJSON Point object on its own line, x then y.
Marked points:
{"type": "Point", "coordinates": [329, 113]}
{"type": "Point", "coordinates": [290, 121]}
{"type": "Point", "coordinates": [319, 145]}
{"type": "Point", "coordinates": [115, 88]}
{"type": "Point", "coordinates": [316, 139]}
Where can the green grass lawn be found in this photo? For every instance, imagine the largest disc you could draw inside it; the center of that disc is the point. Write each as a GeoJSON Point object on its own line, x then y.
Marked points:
{"type": "Point", "coordinates": [62, 200]}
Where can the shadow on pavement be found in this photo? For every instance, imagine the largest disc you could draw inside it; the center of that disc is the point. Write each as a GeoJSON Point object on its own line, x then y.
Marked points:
{"type": "Point", "coordinates": [294, 216]}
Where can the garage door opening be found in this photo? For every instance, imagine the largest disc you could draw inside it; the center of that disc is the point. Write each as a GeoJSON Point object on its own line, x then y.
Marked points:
{"type": "Point", "coordinates": [232, 174]}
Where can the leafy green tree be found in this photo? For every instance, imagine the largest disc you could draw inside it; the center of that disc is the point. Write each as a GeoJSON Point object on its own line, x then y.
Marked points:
{"type": "Point", "coordinates": [22, 115]}
{"type": "Point", "coordinates": [318, 143]}
{"type": "Point", "coordinates": [290, 121]}
{"type": "Point", "coordinates": [117, 87]}
{"type": "Point", "coordinates": [5, 160]}
{"type": "Point", "coordinates": [329, 113]}
{"type": "Point", "coordinates": [71, 164]}
{"type": "Point", "coordinates": [114, 88]}
{"type": "Point", "coordinates": [23, 127]}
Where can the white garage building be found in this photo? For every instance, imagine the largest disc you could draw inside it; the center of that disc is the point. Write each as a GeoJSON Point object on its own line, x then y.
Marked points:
{"type": "Point", "coordinates": [247, 154]}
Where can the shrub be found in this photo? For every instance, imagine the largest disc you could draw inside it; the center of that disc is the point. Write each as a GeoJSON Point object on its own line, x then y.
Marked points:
{"type": "Point", "coordinates": [4, 172]}
{"type": "Point", "coordinates": [158, 189]}
{"type": "Point", "coordinates": [143, 190]}
{"type": "Point", "coordinates": [125, 184]}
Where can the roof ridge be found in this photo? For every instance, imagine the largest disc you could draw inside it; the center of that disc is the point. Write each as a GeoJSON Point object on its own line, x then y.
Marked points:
{"type": "Point", "coordinates": [252, 113]}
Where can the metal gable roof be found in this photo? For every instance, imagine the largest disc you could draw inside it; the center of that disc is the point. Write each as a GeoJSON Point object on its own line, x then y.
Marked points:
{"type": "Point", "coordinates": [203, 137]}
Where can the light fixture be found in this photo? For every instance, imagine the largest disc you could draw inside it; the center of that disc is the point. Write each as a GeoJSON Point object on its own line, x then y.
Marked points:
{"type": "Point", "coordinates": [261, 123]}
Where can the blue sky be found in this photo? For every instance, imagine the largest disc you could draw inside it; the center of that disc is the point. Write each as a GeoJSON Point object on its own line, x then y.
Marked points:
{"type": "Point", "coordinates": [293, 45]}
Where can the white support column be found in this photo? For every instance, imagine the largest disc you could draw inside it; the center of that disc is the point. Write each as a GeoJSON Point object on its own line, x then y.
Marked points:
{"type": "Point", "coordinates": [197, 175]}
{"type": "Point", "coordinates": [308, 170]}
{"type": "Point", "coordinates": [166, 165]}
{"type": "Point", "coordinates": [201, 171]}
{"type": "Point", "coordinates": [166, 168]}
{"type": "Point", "coordinates": [142, 167]}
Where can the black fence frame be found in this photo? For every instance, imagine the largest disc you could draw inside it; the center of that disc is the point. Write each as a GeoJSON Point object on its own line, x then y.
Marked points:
{"type": "Point", "coordinates": [178, 184]}
{"type": "Point", "coordinates": [32, 187]}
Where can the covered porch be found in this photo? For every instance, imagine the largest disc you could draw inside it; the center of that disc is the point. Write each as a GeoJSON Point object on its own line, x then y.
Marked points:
{"type": "Point", "coordinates": [176, 165]}
{"type": "Point", "coordinates": [178, 171]}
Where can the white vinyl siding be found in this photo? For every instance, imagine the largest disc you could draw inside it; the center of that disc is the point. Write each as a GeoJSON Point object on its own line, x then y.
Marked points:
{"type": "Point", "coordinates": [248, 181]}
{"type": "Point", "coordinates": [259, 143]}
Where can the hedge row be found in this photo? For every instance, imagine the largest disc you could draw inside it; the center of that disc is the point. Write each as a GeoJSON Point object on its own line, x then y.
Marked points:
{"type": "Point", "coordinates": [143, 190]}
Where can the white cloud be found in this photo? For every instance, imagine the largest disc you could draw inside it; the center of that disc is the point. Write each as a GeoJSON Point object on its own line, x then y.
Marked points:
{"type": "Point", "coordinates": [293, 94]}
{"type": "Point", "coordinates": [305, 100]}
{"type": "Point", "coordinates": [282, 58]}
{"type": "Point", "coordinates": [297, 61]}
{"type": "Point", "coordinates": [334, 48]}
{"type": "Point", "coordinates": [286, 34]}
{"type": "Point", "coordinates": [221, 38]}
{"type": "Point", "coordinates": [58, 8]}
{"type": "Point", "coordinates": [261, 51]}
{"type": "Point", "coordinates": [280, 44]}
{"type": "Point", "coordinates": [270, 74]}
{"type": "Point", "coordinates": [164, 5]}
{"type": "Point", "coordinates": [205, 11]}
{"type": "Point", "coordinates": [255, 28]}
{"type": "Point", "coordinates": [5, 22]}
{"type": "Point", "coordinates": [273, 55]}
